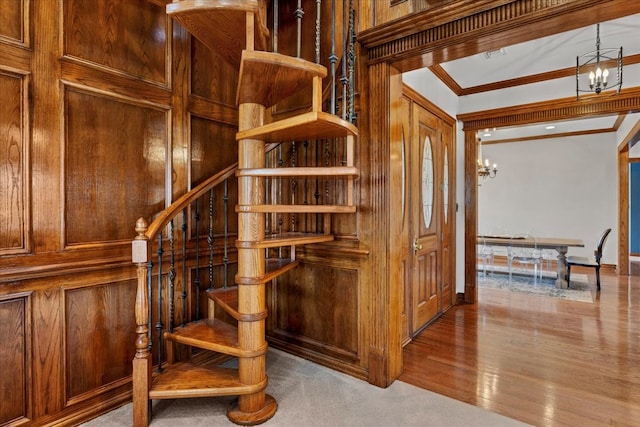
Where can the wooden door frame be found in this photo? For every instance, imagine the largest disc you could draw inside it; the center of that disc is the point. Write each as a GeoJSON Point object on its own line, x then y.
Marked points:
{"type": "Point", "coordinates": [464, 28]}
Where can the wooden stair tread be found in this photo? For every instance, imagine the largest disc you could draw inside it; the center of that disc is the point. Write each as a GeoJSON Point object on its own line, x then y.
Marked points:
{"type": "Point", "coordinates": [227, 299]}
{"type": "Point", "coordinates": [278, 266]}
{"type": "Point", "coordinates": [296, 208]}
{"type": "Point", "coordinates": [301, 171]}
{"type": "Point", "coordinates": [214, 335]}
{"type": "Point", "coordinates": [311, 125]}
{"type": "Point", "coordinates": [221, 25]}
{"type": "Point", "coordinates": [286, 239]}
{"type": "Point", "coordinates": [267, 77]}
{"type": "Point", "coordinates": [185, 380]}
{"type": "Point", "coordinates": [274, 267]}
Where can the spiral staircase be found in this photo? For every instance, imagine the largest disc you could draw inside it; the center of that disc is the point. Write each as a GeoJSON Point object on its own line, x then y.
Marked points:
{"type": "Point", "coordinates": [236, 30]}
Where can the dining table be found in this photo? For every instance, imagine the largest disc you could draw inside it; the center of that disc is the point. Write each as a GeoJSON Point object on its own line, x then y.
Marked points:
{"type": "Point", "coordinates": [560, 244]}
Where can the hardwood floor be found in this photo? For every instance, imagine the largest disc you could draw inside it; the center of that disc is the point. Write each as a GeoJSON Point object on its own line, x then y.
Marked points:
{"type": "Point", "coordinates": [540, 360]}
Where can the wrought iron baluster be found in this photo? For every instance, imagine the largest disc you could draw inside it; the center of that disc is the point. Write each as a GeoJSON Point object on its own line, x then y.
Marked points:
{"type": "Point", "coordinates": [183, 294]}
{"type": "Point", "coordinates": [210, 239]}
{"type": "Point", "coordinates": [306, 186]}
{"type": "Point", "coordinates": [318, 11]}
{"type": "Point", "coordinates": [316, 194]}
{"type": "Point", "coordinates": [299, 13]}
{"type": "Point", "coordinates": [294, 183]}
{"type": "Point", "coordinates": [196, 280]}
{"type": "Point", "coordinates": [327, 163]}
{"type": "Point", "coordinates": [225, 259]}
{"type": "Point", "coordinates": [267, 188]}
{"type": "Point", "coordinates": [333, 58]}
{"type": "Point", "coordinates": [150, 293]}
{"type": "Point", "coordinates": [280, 220]}
{"type": "Point", "coordinates": [351, 56]}
{"type": "Point", "coordinates": [343, 77]}
{"type": "Point", "coordinates": [275, 25]}
{"type": "Point", "coordinates": [172, 274]}
{"type": "Point", "coordinates": [159, 314]}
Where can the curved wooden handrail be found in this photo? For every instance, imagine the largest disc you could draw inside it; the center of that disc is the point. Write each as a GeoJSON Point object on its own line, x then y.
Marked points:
{"type": "Point", "coordinates": [186, 199]}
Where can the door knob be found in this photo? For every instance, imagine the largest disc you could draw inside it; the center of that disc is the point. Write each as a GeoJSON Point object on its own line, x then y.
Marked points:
{"type": "Point", "coordinates": [416, 246]}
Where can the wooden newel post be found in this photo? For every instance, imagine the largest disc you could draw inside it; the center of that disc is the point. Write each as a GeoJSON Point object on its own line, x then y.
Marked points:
{"type": "Point", "coordinates": [142, 359]}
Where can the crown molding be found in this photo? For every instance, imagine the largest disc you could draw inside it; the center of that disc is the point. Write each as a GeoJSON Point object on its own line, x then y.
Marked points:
{"type": "Point", "coordinates": [627, 101]}
{"type": "Point", "coordinates": [463, 28]}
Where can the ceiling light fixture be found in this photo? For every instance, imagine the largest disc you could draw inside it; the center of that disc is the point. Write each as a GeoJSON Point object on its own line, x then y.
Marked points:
{"type": "Point", "coordinates": [593, 68]}
{"type": "Point", "coordinates": [493, 53]}
{"type": "Point", "coordinates": [484, 170]}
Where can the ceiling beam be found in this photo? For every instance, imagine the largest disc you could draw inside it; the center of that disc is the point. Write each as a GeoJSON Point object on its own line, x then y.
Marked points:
{"type": "Point", "coordinates": [450, 82]}
{"type": "Point", "coordinates": [627, 101]}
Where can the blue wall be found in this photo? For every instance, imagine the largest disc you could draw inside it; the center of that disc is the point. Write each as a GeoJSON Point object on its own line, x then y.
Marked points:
{"type": "Point", "coordinates": [634, 208]}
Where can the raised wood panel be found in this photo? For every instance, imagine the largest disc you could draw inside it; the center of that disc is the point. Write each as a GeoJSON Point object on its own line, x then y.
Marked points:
{"type": "Point", "coordinates": [211, 76]}
{"type": "Point", "coordinates": [115, 157]}
{"type": "Point", "coordinates": [14, 143]}
{"type": "Point", "coordinates": [14, 20]}
{"type": "Point", "coordinates": [317, 306]}
{"type": "Point", "coordinates": [406, 301]}
{"type": "Point", "coordinates": [384, 11]}
{"type": "Point", "coordinates": [15, 350]}
{"type": "Point", "coordinates": [99, 329]}
{"type": "Point", "coordinates": [426, 293]}
{"type": "Point", "coordinates": [213, 148]}
{"type": "Point", "coordinates": [128, 36]}
{"type": "Point", "coordinates": [48, 391]}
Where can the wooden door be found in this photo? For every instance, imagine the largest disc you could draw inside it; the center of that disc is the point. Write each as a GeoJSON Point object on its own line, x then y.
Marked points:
{"type": "Point", "coordinates": [425, 203]}
{"type": "Point", "coordinates": [406, 253]}
{"type": "Point", "coordinates": [448, 220]}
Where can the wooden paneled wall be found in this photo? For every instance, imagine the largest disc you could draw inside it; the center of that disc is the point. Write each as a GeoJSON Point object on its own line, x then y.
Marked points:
{"type": "Point", "coordinates": [380, 12]}
{"type": "Point", "coordinates": [108, 113]}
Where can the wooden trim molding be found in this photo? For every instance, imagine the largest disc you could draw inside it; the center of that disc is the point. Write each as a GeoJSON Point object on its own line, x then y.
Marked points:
{"type": "Point", "coordinates": [428, 105]}
{"type": "Point", "coordinates": [470, 216]}
{"type": "Point", "coordinates": [560, 109]}
{"type": "Point", "coordinates": [439, 72]}
{"type": "Point", "coordinates": [623, 200]}
{"type": "Point", "coordinates": [467, 27]}
{"type": "Point", "coordinates": [623, 211]}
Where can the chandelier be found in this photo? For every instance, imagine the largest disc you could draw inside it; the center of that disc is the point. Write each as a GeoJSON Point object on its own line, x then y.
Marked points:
{"type": "Point", "coordinates": [593, 67]}
{"type": "Point", "coordinates": [484, 170]}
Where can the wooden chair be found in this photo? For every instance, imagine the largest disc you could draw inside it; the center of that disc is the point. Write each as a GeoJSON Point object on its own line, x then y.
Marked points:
{"type": "Point", "coordinates": [587, 262]}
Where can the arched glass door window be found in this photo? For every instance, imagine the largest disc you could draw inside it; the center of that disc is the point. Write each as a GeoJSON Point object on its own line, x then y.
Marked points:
{"type": "Point", "coordinates": [427, 182]}
{"type": "Point", "coordinates": [404, 177]}
{"type": "Point", "coordinates": [445, 184]}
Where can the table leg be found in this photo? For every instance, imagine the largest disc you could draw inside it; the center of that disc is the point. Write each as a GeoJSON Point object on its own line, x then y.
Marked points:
{"type": "Point", "coordinates": [561, 281]}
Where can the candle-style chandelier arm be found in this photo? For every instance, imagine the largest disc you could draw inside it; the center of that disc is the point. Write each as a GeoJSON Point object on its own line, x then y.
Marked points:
{"type": "Point", "coordinates": [484, 170]}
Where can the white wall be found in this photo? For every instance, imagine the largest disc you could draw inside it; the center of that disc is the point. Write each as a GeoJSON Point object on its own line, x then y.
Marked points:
{"type": "Point", "coordinates": [562, 187]}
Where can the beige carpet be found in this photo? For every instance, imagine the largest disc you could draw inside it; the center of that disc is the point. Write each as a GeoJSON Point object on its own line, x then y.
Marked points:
{"type": "Point", "coordinates": [310, 395]}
